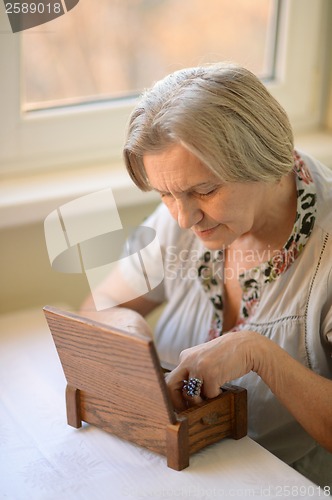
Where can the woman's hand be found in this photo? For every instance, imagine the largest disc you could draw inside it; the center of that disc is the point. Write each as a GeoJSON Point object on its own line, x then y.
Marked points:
{"type": "Point", "coordinates": [120, 317]}
{"type": "Point", "coordinates": [303, 392]}
{"type": "Point", "coordinates": [214, 363]}
{"type": "Point", "coordinates": [128, 316]}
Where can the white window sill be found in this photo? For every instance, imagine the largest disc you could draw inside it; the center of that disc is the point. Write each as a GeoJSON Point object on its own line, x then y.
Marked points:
{"type": "Point", "coordinates": [28, 199]}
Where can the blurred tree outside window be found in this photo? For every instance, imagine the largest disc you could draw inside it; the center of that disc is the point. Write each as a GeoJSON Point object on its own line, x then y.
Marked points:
{"type": "Point", "coordinates": [110, 49]}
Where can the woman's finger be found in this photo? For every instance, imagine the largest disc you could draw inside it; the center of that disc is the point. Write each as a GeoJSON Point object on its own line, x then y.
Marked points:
{"type": "Point", "coordinates": [174, 383]}
{"type": "Point", "coordinates": [192, 390]}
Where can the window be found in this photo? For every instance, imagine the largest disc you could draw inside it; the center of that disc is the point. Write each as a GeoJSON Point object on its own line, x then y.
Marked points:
{"type": "Point", "coordinates": [111, 49]}
{"type": "Point", "coordinates": [40, 130]}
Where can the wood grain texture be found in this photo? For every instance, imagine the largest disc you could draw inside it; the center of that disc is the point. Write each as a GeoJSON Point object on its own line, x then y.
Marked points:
{"type": "Point", "coordinates": [73, 405]}
{"type": "Point", "coordinates": [122, 387]}
{"type": "Point", "coordinates": [215, 419]}
{"type": "Point", "coordinates": [240, 420]}
{"type": "Point", "coordinates": [177, 444]}
{"type": "Point", "coordinates": [115, 382]}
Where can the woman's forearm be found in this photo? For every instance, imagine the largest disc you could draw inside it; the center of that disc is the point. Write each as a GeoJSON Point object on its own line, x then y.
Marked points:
{"type": "Point", "coordinates": [305, 394]}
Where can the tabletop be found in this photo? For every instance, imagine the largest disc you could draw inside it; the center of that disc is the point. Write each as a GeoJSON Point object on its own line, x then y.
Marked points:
{"type": "Point", "coordinates": [42, 458]}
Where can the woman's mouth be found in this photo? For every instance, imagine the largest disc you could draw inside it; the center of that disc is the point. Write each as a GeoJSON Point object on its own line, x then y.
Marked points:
{"type": "Point", "coordinates": [204, 234]}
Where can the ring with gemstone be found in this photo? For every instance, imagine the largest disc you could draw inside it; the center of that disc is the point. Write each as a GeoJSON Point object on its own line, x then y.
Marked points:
{"type": "Point", "coordinates": [192, 387]}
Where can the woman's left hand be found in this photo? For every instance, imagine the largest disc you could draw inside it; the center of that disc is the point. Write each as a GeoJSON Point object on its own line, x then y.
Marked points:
{"type": "Point", "coordinates": [214, 363]}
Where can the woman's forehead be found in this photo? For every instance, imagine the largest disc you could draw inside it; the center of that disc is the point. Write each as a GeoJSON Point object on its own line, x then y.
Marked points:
{"type": "Point", "coordinates": [176, 165]}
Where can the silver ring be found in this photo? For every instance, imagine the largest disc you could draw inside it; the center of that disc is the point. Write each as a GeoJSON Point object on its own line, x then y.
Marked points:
{"type": "Point", "coordinates": [192, 387]}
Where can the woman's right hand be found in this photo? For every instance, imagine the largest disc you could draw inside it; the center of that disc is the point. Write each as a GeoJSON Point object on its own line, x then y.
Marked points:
{"type": "Point", "coordinates": [214, 363]}
{"type": "Point", "coordinates": [123, 318]}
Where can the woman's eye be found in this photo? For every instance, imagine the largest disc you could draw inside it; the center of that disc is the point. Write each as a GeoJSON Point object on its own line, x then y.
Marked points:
{"type": "Point", "coordinates": [209, 193]}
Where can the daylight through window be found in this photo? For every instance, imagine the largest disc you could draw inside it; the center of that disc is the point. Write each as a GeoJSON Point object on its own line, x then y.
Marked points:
{"type": "Point", "coordinates": [109, 49]}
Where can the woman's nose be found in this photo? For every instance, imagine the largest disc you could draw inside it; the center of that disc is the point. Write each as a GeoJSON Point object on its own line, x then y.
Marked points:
{"type": "Point", "coordinates": [188, 213]}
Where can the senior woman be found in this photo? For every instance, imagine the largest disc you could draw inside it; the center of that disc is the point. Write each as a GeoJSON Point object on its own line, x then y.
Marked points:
{"type": "Point", "coordinates": [245, 233]}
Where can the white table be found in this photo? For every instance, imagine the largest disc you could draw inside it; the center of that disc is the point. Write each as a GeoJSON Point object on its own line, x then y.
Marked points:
{"type": "Point", "coordinates": [42, 458]}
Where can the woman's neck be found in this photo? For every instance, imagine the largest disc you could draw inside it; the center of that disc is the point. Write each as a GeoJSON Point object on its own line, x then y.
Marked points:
{"type": "Point", "coordinates": [276, 221]}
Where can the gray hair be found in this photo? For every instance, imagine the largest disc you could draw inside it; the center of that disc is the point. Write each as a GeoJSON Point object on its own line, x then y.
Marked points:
{"type": "Point", "coordinates": [223, 114]}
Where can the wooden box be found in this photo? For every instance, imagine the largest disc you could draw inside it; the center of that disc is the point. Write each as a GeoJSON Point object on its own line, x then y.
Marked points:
{"type": "Point", "coordinates": [115, 382]}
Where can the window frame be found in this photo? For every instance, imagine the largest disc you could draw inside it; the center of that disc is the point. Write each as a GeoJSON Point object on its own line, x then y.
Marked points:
{"type": "Point", "coordinates": [93, 134]}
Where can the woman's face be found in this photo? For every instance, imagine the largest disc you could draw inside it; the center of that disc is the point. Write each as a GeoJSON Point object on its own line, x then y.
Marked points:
{"type": "Point", "coordinates": [217, 212]}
